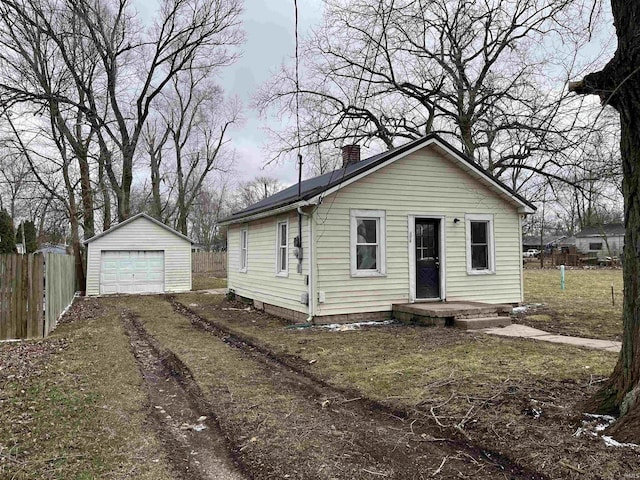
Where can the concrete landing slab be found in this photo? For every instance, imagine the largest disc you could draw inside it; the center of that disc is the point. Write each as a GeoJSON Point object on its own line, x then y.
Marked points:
{"type": "Point", "coordinates": [481, 323]}
{"type": "Point", "coordinates": [523, 331]}
{"type": "Point", "coordinates": [451, 309]}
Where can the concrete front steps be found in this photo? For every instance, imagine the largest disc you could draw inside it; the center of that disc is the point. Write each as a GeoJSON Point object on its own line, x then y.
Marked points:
{"type": "Point", "coordinates": [464, 315]}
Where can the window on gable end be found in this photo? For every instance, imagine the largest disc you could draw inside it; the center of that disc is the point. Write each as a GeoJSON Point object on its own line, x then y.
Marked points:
{"type": "Point", "coordinates": [368, 243]}
{"type": "Point", "coordinates": [480, 244]}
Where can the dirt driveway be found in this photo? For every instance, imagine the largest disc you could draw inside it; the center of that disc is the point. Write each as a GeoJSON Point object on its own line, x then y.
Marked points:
{"type": "Point", "coordinates": [281, 422]}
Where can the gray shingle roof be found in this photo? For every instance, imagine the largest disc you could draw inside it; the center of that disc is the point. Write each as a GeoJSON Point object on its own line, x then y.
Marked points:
{"type": "Point", "coordinates": [314, 186]}
{"type": "Point", "coordinates": [608, 229]}
{"type": "Point", "coordinates": [131, 219]}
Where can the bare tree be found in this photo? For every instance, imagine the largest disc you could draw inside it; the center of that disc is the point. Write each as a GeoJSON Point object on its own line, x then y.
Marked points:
{"type": "Point", "coordinates": [211, 205]}
{"type": "Point", "coordinates": [618, 86]}
{"type": "Point", "coordinates": [55, 175]}
{"type": "Point", "coordinates": [192, 144]}
{"type": "Point", "coordinates": [135, 64]}
{"type": "Point", "coordinates": [387, 71]}
{"type": "Point", "coordinates": [257, 189]}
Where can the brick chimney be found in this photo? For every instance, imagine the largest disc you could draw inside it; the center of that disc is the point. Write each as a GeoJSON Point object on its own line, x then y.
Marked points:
{"type": "Point", "coordinates": [350, 155]}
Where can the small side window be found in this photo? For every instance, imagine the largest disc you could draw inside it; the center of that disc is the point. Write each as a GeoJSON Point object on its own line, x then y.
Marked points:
{"type": "Point", "coordinates": [282, 248]}
{"type": "Point", "coordinates": [480, 245]}
{"type": "Point", "coordinates": [244, 250]}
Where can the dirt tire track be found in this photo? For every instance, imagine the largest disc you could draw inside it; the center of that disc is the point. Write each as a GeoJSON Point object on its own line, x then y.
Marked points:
{"type": "Point", "coordinates": [307, 381]}
{"type": "Point", "coordinates": [176, 405]}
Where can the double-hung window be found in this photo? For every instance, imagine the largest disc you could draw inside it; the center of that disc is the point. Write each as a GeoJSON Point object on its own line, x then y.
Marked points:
{"type": "Point", "coordinates": [480, 244]}
{"type": "Point", "coordinates": [244, 249]}
{"type": "Point", "coordinates": [282, 248]}
{"type": "Point", "coordinates": [367, 243]}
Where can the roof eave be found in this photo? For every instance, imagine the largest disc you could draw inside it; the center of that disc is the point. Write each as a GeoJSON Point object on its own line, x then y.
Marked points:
{"type": "Point", "coordinates": [267, 213]}
{"type": "Point", "coordinates": [130, 220]}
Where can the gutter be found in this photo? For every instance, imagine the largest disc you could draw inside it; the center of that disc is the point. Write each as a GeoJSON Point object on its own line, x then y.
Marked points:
{"type": "Point", "coordinates": [268, 213]}
{"type": "Point", "coordinates": [310, 286]}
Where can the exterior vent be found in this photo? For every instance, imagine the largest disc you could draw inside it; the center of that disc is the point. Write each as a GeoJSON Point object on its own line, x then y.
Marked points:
{"type": "Point", "coordinates": [350, 155]}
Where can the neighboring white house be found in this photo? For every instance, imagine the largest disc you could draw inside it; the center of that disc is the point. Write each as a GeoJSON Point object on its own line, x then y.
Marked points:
{"type": "Point", "coordinates": [421, 222]}
{"type": "Point", "coordinates": [139, 255]}
{"type": "Point", "coordinates": [602, 240]}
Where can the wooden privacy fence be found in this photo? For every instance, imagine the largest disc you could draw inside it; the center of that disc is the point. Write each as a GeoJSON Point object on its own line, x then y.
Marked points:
{"type": "Point", "coordinates": [60, 287]}
{"type": "Point", "coordinates": [34, 290]}
{"type": "Point", "coordinates": [209, 262]}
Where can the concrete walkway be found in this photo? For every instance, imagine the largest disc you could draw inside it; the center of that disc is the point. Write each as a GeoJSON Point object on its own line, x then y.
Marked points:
{"type": "Point", "coordinates": [522, 331]}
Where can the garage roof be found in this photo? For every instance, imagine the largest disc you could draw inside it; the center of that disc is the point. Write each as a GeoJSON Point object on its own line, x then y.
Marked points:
{"type": "Point", "coordinates": [132, 219]}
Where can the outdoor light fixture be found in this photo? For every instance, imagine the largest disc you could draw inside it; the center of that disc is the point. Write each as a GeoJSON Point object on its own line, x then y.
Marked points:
{"type": "Point", "coordinates": [456, 220]}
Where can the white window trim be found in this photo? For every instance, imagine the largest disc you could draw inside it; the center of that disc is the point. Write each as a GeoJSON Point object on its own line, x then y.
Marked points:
{"type": "Point", "coordinates": [285, 272]}
{"type": "Point", "coordinates": [244, 231]}
{"type": "Point", "coordinates": [480, 217]}
{"type": "Point", "coordinates": [380, 216]}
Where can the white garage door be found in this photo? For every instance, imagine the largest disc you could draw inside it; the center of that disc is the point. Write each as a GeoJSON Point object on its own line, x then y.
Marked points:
{"type": "Point", "coordinates": [131, 271]}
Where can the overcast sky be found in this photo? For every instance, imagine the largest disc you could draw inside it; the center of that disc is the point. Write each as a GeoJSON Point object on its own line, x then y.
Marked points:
{"type": "Point", "coordinates": [270, 41]}
{"type": "Point", "coordinates": [269, 26]}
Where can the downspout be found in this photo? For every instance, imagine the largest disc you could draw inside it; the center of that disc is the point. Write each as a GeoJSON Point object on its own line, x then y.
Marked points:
{"type": "Point", "coordinates": [310, 285]}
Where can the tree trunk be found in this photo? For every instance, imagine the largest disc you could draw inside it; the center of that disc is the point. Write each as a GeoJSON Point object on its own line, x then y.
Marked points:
{"type": "Point", "coordinates": [106, 198]}
{"type": "Point", "coordinates": [618, 85]}
{"type": "Point", "coordinates": [75, 230]}
{"type": "Point", "coordinates": [86, 193]}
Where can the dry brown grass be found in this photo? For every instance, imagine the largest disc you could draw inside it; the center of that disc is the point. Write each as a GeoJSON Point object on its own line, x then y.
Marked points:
{"type": "Point", "coordinates": [492, 386]}
{"type": "Point", "coordinates": [583, 309]}
{"type": "Point", "coordinates": [82, 415]}
{"type": "Point", "coordinates": [203, 281]}
{"type": "Point", "coordinates": [383, 361]}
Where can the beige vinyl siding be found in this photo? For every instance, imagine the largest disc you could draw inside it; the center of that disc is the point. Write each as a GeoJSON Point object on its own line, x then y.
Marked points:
{"type": "Point", "coordinates": [261, 281]}
{"type": "Point", "coordinates": [142, 234]}
{"type": "Point", "coordinates": [423, 183]}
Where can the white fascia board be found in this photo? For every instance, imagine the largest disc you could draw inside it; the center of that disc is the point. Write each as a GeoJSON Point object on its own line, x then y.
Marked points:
{"type": "Point", "coordinates": [132, 219]}
{"type": "Point", "coordinates": [269, 213]}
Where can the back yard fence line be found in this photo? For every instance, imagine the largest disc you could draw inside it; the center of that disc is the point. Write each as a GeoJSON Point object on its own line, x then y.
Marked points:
{"type": "Point", "coordinates": [209, 262]}
{"type": "Point", "coordinates": [34, 290]}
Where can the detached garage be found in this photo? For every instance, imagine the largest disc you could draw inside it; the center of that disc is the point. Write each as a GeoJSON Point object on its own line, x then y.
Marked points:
{"type": "Point", "coordinates": [139, 255]}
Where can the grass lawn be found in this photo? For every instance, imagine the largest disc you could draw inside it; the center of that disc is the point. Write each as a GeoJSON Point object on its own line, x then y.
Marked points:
{"type": "Point", "coordinates": [383, 361]}
{"type": "Point", "coordinates": [203, 281]}
{"type": "Point", "coordinates": [583, 309]}
{"type": "Point", "coordinates": [71, 406]}
{"type": "Point", "coordinates": [492, 386]}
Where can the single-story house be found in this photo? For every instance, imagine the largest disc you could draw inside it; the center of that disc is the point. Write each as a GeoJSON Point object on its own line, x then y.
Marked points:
{"type": "Point", "coordinates": [139, 255]}
{"type": "Point", "coordinates": [52, 248]}
{"type": "Point", "coordinates": [421, 222]}
{"type": "Point", "coordinates": [594, 240]}
{"type": "Point", "coordinates": [548, 242]}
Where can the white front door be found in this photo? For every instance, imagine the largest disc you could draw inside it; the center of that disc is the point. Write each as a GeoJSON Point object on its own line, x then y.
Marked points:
{"type": "Point", "coordinates": [132, 271]}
